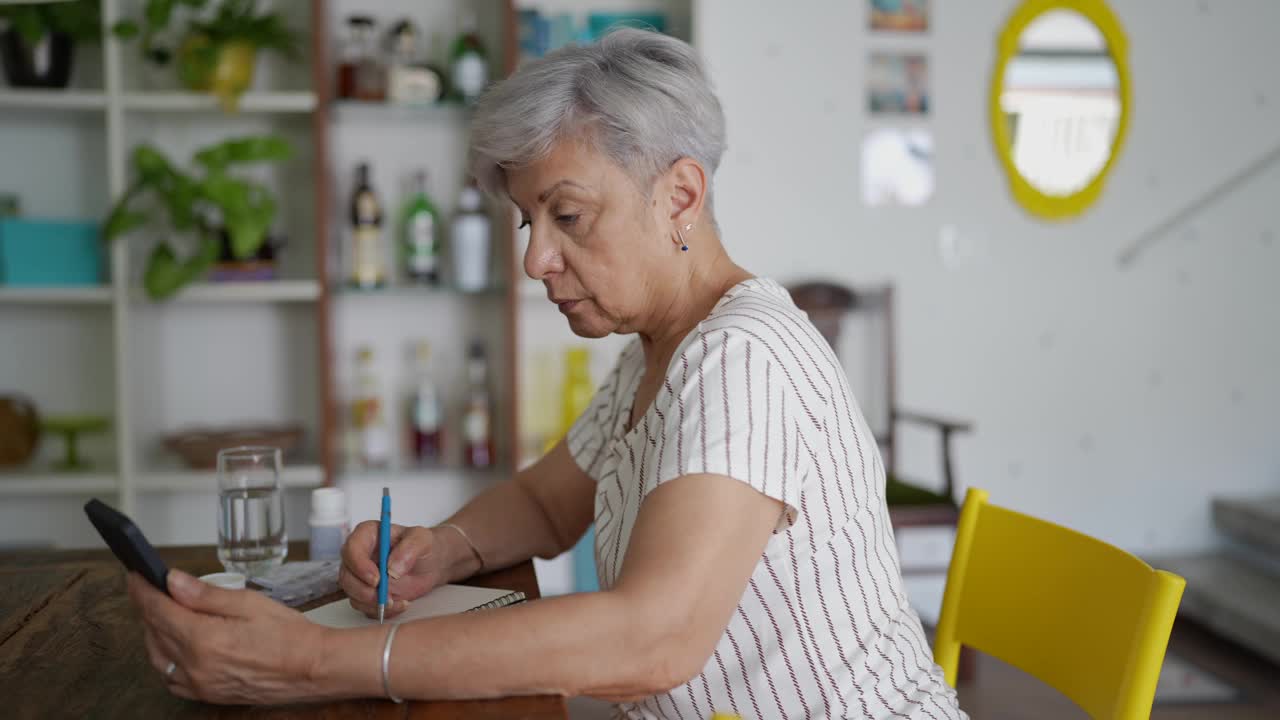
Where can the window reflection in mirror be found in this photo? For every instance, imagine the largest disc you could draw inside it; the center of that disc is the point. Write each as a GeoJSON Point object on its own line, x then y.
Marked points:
{"type": "Point", "coordinates": [1061, 99]}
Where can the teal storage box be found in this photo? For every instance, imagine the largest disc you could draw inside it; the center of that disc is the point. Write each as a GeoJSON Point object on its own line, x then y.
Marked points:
{"type": "Point", "coordinates": [35, 253]}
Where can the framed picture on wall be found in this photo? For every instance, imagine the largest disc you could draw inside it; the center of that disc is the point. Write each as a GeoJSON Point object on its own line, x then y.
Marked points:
{"type": "Point", "coordinates": [898, 83]}
{"type": "Point", "coordinates": [899, 15]}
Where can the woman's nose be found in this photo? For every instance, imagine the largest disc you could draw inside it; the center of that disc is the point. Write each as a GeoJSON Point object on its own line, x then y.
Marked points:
{"type": "Point", "coordinates": [542, 256]}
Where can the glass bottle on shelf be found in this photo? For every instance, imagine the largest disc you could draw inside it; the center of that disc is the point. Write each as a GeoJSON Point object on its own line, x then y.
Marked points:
{"type": "Point", "coordinates": [577, 390]}
{"type": "Point", "coordinates": [419, 234]}
{"type": "Point", "coordinates": [469, 62]}
{"type": "Point", "coordinates": [360, 74]}
{"type": "Point", "coordinates": [354, 48]}
{"type": "Point", "coordinates": [410, 79]}
{"type": "Point", "coordinates": [367, 269]}
{"type": "Point", "coordinates": [426, 416]}
{"type": "Point", "coordinates": [477, 418]}
{"type": "Point", "coordinates": [470, 239]}
{"type": "Point", "coordinates": [539, 405]}
{"type": "Point", "coordinates": [373, 446]}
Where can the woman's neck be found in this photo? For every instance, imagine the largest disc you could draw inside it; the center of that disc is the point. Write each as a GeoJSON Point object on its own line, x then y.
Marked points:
{"type": "Point", "coordinates": [690, 299]}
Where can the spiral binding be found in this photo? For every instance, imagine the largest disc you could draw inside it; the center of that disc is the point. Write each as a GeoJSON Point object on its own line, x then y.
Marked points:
{"type": "Point", "coordinates": [504, 601]}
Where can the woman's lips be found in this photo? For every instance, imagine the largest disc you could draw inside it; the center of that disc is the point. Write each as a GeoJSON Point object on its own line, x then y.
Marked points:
{"type": "Point", "coordinates": [563, 303]}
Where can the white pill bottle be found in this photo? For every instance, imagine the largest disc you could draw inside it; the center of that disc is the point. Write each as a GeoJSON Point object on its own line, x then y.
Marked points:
{"type": "Point", "coordinates": [329, 523]}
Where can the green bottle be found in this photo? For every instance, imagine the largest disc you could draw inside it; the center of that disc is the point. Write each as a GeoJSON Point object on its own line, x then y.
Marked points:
{"type": "Point", "coordinates": [419, 232]}
{"type": "Point", "coordinates": [469, 62]}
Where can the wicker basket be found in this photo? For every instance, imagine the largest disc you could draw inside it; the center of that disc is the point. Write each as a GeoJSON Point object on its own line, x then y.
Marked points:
{"type": "Point", "coordinates": [199, 447]}
{"type": "Point", "coordinates": [19, 430]}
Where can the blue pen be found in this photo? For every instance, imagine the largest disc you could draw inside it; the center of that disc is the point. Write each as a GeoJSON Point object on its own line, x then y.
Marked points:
{"type": "Point", "coordinates": [384, 549]}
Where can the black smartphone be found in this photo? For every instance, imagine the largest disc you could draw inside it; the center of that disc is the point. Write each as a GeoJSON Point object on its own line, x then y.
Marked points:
{"type": "Point", "coordinates": [128, 543]}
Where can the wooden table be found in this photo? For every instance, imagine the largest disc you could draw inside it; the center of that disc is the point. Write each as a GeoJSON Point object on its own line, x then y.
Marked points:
{"type": "Point", "coordinates": [71, 646]}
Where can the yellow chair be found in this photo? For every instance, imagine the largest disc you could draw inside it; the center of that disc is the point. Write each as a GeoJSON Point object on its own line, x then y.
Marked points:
{"type": "Point", "coordinates": [1085, 617]}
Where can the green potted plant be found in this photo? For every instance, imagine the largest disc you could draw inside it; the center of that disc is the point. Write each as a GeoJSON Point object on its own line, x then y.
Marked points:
{"type": "Point", "coordinates": [39, 40]}
{"type": "Point", "coordinates": [214, 206]}
{"type": "Point", "coordinates": [216, 53]}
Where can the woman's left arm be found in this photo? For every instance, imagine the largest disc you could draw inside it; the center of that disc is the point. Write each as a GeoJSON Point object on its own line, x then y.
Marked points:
{"type": "Point", "coordinates": [696, 541]}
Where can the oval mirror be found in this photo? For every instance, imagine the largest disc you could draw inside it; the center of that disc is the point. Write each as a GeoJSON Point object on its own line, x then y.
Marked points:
{"type": "Point", "coordinates": [1060, 103]}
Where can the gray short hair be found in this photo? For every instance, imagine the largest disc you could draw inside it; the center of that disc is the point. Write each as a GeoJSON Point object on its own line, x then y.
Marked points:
{"type": "Point", "coordinates": [641, 98]}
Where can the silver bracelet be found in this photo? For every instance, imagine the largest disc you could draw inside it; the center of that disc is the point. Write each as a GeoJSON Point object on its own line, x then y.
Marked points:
{"type": "Point", "coordinates": [475, 550]}
{"type": "Point", "coordinates": [386, 663]}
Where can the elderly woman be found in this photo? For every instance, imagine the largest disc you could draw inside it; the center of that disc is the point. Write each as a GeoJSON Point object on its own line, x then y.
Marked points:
{"type": "Point", "coordinates": [742, 542]}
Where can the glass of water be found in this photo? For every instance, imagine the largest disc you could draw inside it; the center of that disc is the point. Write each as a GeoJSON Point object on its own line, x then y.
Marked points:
{"type": "Point", "coordinates": [251, 534]}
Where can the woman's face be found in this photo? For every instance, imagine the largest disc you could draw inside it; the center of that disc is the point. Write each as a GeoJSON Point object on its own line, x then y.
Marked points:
{"type": "Point", "coordinates": [599, 247]}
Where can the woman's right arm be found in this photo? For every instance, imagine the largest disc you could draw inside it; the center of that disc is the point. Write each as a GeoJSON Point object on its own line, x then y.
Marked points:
{"type": "Point", "coordinates": [540, 512]}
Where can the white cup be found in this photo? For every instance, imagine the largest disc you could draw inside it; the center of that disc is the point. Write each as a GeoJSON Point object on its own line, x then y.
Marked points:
{"type": "Point", "coordinates": [225, 580]}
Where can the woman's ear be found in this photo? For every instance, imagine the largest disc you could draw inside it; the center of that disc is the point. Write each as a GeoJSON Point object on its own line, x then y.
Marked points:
{"type": "Point", "coordinates": [688, 191]}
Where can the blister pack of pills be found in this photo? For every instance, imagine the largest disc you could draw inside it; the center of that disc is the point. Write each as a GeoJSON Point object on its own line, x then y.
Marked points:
{"type": "Point", "coordinates": [296, 583]}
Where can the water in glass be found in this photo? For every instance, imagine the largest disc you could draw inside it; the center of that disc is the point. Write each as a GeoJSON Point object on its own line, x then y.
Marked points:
{"type": "Point", "coordinates": [251, 532]}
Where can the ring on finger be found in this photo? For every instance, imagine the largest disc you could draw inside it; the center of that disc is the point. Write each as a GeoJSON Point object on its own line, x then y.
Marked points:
{"type": "Point", "coordinates": [168, 671]}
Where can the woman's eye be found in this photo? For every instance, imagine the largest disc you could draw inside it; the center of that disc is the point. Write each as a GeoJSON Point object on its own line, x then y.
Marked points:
{"type": "Point", "coordinates": [566, 219]}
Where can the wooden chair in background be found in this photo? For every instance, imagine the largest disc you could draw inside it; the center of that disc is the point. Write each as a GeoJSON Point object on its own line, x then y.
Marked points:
{"type": "Point", "coordinates": [859, 325]}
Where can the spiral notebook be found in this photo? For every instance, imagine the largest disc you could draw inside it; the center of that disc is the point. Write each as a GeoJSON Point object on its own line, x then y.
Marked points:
{"type": "Point", "coordinates": [444, 600]}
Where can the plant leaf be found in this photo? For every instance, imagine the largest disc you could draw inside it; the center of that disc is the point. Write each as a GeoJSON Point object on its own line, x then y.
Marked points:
{"type": "Point", "coordinates": [122, 221]}
{"type": "Point", "coordinates": [180, 200]}
{"type": "Point", "coordinates": [126, 29]}
{"type": "Point", "coordinates": [152, 165]}
{"type": "Point", "coordinates": [82, 19]}
{"type": "Point", "coordinates": [247, 235]}
{"type": "Point", "coordinates": [158, 12]}
{"type": "Point", "coordinates": [248, 218]}
{"type": "Point", "coordinates": [242, 151]}
{"type": "Point", "coordinates": [166, 275]}
{"type": "Point", "coordinates": [231, 195]}
{"type": "Point", "coordinates": [29, 23]}
{"type": "Point", "coordinates": [163, 274]}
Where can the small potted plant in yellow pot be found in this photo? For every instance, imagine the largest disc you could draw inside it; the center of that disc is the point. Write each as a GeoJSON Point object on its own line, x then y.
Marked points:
{"type": "Point", "coordinates": [218, 52]}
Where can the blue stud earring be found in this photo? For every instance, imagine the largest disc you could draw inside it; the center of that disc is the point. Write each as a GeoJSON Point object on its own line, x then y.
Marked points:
{"type": "Point", "coordinates": [684, 246]}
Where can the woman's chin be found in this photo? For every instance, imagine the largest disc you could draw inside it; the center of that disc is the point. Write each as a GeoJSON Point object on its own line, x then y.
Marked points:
{"type": "Point", "coordinates": [588, 326]}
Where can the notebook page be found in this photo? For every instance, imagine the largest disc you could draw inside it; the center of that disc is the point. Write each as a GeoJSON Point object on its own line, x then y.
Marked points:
{"type": "Point", "coordinates": [444, 600]}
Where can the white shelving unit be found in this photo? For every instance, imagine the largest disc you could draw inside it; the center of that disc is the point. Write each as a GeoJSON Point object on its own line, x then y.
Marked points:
{"type": "Point", "coordinates": [52, 99]}
{"type": "Point", "coordinates": [217, 354]}
{"type": "Point", "coordinates": [55, 483]}
{"type": "Point", "coordinates": [55, 295]}
{"type": "Point", "coordinates": [300, 477]}
{"type": "Point", "coordinates": [275, 291]}
{"type": "Point", "coordinates": [250, 102]}
{"type": "Point", "coordinates": [377, 113]}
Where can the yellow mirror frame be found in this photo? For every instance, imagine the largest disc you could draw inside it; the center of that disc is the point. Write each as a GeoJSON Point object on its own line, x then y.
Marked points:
{"type": "Point", "coordinates": [1063, 207]}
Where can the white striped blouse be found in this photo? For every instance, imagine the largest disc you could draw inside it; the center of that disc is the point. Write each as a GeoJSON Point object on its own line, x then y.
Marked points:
{"type": "Point", "coordinates": [823, 629]}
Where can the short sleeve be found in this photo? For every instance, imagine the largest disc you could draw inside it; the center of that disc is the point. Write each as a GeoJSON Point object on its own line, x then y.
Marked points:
{"type": "Point", "coordinates": [589, 436]}
{"type": "Point", "coordinates": [728, 409]}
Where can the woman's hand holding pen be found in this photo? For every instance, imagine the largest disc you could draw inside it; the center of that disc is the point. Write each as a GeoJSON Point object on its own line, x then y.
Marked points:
{"type": "Point", "coordinates": [421, 559]}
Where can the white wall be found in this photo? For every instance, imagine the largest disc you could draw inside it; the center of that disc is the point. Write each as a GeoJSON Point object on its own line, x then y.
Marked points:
{"type": "Point", "coordinates": [1113, 399]}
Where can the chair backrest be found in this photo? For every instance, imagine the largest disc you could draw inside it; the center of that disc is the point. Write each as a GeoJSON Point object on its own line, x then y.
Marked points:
{"type": "Point", "coordinates": [1085, 617]}
{"type": "Point", "coordinates": [858, 324]}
